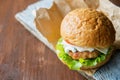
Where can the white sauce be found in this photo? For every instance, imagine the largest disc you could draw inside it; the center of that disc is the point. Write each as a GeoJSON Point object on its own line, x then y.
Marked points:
{"type": "Point", "coordinates": [69, 47]}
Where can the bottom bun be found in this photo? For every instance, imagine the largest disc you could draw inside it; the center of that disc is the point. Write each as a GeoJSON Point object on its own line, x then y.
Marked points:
{"type": "Point", "coordinates": [101, 63]}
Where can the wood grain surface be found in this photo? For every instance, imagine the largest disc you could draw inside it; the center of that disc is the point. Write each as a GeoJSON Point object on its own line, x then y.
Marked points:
{"type": "Point", "coordinates": [22, 56]}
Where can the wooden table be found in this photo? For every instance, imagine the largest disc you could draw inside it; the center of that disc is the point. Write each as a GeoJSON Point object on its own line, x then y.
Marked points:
{"type": "Point", "coordinates": [22, 56]}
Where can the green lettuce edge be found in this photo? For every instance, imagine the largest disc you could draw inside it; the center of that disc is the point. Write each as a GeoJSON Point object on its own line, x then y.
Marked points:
{"type": "Point", "coordinates": [76, 64]}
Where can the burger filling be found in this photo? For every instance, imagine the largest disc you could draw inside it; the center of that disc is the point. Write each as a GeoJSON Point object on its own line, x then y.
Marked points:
{"type": "Point", "coordinates": [75, 57]}
{"type": "Point", "coordinates": [84, 55]}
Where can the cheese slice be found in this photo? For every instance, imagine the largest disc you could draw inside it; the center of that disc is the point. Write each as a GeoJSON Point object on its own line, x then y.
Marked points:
{"type": "Point", "coordinates": [102, 50]}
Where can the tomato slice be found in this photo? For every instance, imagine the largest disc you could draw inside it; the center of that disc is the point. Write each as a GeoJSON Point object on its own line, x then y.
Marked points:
{"type": "Point", "coordinates": [68, 42]}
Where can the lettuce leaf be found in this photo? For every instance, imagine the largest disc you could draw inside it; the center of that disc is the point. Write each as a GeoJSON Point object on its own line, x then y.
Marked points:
{"type": "Point", "coordinates": [72, 64]}
{"type": "Point", "coordinates": [76, 64]}
{"type": "Point", "coordinates": [92, 62]}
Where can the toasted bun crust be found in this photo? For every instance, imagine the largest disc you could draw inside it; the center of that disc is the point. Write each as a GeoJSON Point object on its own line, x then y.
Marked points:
{"type": "Point", "coordinates": [87, 28]}
{"type": "Point", "coordinates": [101, 63]}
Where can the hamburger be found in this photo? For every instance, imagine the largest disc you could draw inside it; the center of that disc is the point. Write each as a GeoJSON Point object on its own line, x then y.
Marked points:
{"type": "Point", "coordinates": [87, 38]}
